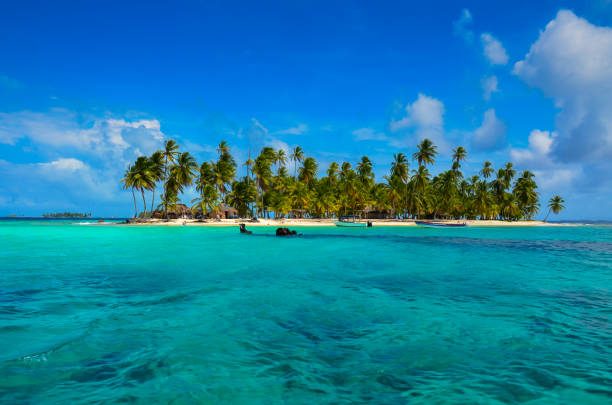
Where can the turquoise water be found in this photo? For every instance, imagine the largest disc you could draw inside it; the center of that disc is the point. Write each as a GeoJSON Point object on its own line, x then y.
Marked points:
{"type": "Point", "coordinates": [186, 315]}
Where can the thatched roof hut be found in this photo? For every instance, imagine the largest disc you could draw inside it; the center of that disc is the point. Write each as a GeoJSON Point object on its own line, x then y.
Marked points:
{"type": "Point", "coordinates": [226, 212]}
{"type": "Point", "coordinates": [370, 212]}
{"type": "Point", "coordinates": [177, 211]}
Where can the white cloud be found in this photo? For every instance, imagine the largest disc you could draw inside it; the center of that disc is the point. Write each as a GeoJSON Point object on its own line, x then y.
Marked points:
{"type": "Point", "coordinates": [493, 50]}
{"type": "Point", "coordinates": [368, 134]}
{"type": "Point", "coordinates": [571, 62]}
{"type": "Point", "coordinates": [460, 26]}
{"type": "Point", "coordinates": [422, 119]}
{"type": "Point", "coordinates": [64, 165]}
{"type": "Point", "coordinates": [552, 176]}
{"type": "Point", "coordinates": [96, 136]}
{"type": "Point", "coordinates": [489, 86]}
{"type": "Point", "coordinates": [98, 150]}
{"type": "Point", "coordinates": [297, 130]}
{"type": "Point", "coordinates": [491, 134]}
{"type": "Point", "coordinates": [64, 183]}
{"type": "Point", "coordinates": [557, 180]}
{"type": "Point", "coordinates": [536, 155]}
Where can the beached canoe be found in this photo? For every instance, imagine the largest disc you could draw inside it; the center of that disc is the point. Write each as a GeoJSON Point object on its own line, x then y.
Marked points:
{"type": "Point", "coordinates": [431, 224]}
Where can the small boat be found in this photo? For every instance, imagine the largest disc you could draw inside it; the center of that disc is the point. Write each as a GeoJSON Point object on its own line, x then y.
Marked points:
{"type": "Point", "coordinates": [434, 224]}
{"type": "Point", "coordinates": [351, 222]}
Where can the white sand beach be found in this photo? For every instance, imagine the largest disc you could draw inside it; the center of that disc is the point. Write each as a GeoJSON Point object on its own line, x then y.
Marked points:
{"type": "Point", "coordinates": [330, 222]}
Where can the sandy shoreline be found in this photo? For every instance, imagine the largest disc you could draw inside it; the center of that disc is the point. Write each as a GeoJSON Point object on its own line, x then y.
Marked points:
{"type": "Point", "coordinates": [330, 223]}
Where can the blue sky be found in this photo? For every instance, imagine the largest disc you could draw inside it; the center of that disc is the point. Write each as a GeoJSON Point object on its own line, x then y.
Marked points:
{"type": "Point", "coordinates": [85, 88]}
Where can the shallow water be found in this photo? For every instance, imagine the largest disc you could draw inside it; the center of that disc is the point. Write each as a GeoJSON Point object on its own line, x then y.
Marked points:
{"type": "Point", "coordinates": [99, 314]}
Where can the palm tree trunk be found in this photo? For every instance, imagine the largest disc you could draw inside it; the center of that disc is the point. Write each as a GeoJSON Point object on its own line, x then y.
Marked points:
{"type": "Point", "coordinates": [144, 202]}
{"type": "Point", "coordinates": [152, 202]}
{"type": "Point", "coordinates": [545, 218]}
{"type": "Point", "coordinates": [406, 201]}
{"type": "Point", "coordinates": [135, 207]}
{"type": "Point", "coordinates": [166, 189]}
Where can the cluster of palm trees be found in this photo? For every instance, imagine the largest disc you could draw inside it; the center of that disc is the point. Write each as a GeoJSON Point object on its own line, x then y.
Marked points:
{"type": "Point", "coordinates": [268, 189]}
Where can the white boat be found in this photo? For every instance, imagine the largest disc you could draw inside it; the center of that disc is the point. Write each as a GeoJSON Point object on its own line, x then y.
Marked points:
{"type": "Point", "coordinates": [351, 222]}
{"type": "Point", "coordinates": [434, 224]}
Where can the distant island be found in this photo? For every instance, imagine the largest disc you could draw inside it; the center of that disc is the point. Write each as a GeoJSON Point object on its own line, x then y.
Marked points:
{"type": "Point", "coordinates": [66, 215]}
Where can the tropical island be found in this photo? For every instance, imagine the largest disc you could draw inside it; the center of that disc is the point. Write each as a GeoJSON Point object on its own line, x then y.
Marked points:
{"type": "Point", "coordinates": [270, 191]}
{"type": "Point", "coordinates": [66, 215]}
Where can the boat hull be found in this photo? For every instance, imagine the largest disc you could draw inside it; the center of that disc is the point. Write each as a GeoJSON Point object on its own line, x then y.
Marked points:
{"type": "Point", "coordinates": [427, 224]}
{"type": "Point", "coordinates": [351, 224]}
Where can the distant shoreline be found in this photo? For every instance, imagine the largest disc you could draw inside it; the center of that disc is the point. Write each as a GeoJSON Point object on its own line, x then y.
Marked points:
{"type": "Point", "coordinates": [331, 223]}
{"type": "Point", "coordinates": [302, 222]}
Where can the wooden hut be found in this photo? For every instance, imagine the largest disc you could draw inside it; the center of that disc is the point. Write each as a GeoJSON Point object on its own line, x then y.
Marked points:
{"type": "Point", "coordinates": [226, 212]}
{"type": "Point", "coordinates": [175, 212]}
{"type": "Point", "coordinates": [370, 212]}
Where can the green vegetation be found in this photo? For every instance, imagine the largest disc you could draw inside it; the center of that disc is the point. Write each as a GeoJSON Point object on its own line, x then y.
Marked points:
{"type": "Point", "coordinates": [66, 215]}
{"type": "Point", "coordinates": [555, 205]}
{"type": "Point", "coordinates": [269, 189]}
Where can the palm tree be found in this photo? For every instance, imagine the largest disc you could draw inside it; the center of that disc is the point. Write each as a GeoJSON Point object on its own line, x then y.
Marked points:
{"type": "Point", "coordinates": [222, 148]}
{"type": "Point", "coordinates": [281, 158]}
{"type": "Point", "coordinates": [509, 173]}
{"type": "Point", "coordinates": [249, 163]}
{"type": "Point", "coordinates": [224, 171]}
{"type": "Point", "coordinates": [300, 196]}
{"type": "Point", "coordinates": [297, 156]}
{"type": "Point", "coordinates": [308, 171]}
{"type": "Point", "coordinates": [526, 195]}
{"type": "Point", "coordinates": [487, 170]}
{"type": "Point", "coordinates": [482, 200]}
{"type": "Point", "coordinates": [399, 167]}
{"type": "Point", "coordinates": [555, 205]}
{"type": "Point", "coordinates": [128, 182]}
{"type": "Point", "coordinates": [332, 171]}
{"type": "Point", "coordinates": [183, 171]}
{"type": "Point", "coordinates": [364, 169]}
{"type": "Point", "coordinates": [420, 180]}
{"type": "Point", "coordinates": [263, 172]}
{"type": "Point", "coordinates": [169, 154]}
{"type": "Point", "coordinates": [399, 171]}
{"type": "Point", "coordinates": [459, 154]}
{"type": "Point", "coordinates": [427, 152]}
{"type": "Point", "coordinates": [156, 167]}
{"type": "Point", "coordinates": [242, 195]}
{"type": "Point", "coordinates": [143, 179]}
{"type": "Point", "coordinates": [208, 201]}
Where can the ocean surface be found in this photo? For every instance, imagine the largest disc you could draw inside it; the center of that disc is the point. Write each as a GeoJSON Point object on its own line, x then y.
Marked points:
{"type": "Point", "coordinates": [188, 315]}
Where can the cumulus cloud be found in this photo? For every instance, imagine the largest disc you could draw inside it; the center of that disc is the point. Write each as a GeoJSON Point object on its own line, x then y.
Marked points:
{"type": "Point", "coordinates": [571, 62]}
{"type": "Point", "coordinates": [536, 155]}
{"type": "Point", "coordinates": [553, 176]}
{"type": "Point", "coordinates": [489, 86]}
{"type": "Point", "coordinates": [368, 134]}
{"type": "Point", "coordinates": [297, 130]}
{"type": "Point", "coordinates": [88, 155]}
{"type": "Point", "coordinates": [70, 165]}
{"type": "Point", "coordinates": [100, 136]}
{"type": "Point", "coordinates": [424, 118]}
{"type": "Point", "coordinates": [491, 134]}
{"type": "Point", "coordinates": [493, 50]}
{"type": "Point", "coordinates": [64, 183]}
{"type": "Point", "coordinates": [461, 26]}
